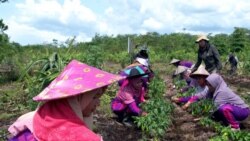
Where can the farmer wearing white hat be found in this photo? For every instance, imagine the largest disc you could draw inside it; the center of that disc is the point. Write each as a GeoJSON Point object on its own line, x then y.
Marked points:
{"type": "Point", "coordinates": [68, 104]}
{"type": "Point", "coordinates": [198, 81]}
{"type": "Point", "coordinates": [177, 63]}
{"type": "Point", "coordinates": [184, 73]}
{"type": "Point", "coordinates": [209, 54]}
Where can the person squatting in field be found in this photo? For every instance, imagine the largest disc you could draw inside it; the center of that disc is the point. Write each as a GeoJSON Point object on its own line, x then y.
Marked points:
{"type": "Point", "coordinates": [180, 63]}
{"type": "Point", "coordinates": [184, 63]}
{"type": "Point", "coordinates": [198, 81]}
{"type": "Point", "coordinates": [141, 63]}
{"type": "Point", "coordinates": [209, 54]}
{"type": "Point", "coordinates": [230, 108]}
{"type": "Point", "coordinates": [183, 73]}
{"type": "Point", "coordinates": [127, 100]}
{"type": "Point", "coordinates": [68, 104]}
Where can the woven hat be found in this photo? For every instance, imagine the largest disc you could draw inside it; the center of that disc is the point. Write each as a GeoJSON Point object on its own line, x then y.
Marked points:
{"type": "Point", "coordinates": [180, 69]}
{"type": "Point", "coordinates": [174, 61]}
{"type": "Point", "coordinates": [76, 78]}
{"type": "Point", "coordinates": [201, 71]}
{"type": "Point", "coordinates": [201, 37]}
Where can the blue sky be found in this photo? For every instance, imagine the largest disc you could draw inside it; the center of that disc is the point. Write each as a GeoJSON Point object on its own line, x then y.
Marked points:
{"type": "Point", "coordinates": [41, 21]}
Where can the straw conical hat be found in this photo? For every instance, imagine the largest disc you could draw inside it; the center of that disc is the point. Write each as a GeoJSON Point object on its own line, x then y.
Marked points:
{"type": "Point", "coordinates": [201, 37]}
{"type": "Point", "coordinates": [76, 78]}
{"type": "Point", "coordinates": [200, 71]}
{"type": "Point", "coordinates": [174, 61]}
{"type": "Point", "coordinates": [180, 69]}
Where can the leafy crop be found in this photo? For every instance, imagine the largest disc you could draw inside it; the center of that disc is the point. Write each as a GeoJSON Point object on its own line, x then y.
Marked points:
{"type": "Point", "coordinates": [202, 108]}
{"type": "Point", "coordinates": [158, 118]}
{"type": "Point", "coordinates": [225, 133]}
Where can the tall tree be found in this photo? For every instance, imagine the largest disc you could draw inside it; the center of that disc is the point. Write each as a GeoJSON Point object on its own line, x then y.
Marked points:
{"type": "Point", "coordinates": [221, 41]}
{"type": "Point", "coordinates": [3, 27]}
{"type": "Point", "coordinates": [239, 39]}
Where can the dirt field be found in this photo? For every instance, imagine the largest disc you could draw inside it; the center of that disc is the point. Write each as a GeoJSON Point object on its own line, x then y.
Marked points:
{"type": "Point", "coordinates": [184, 126]}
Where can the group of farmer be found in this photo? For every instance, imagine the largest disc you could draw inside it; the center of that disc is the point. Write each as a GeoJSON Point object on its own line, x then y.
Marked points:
{"type": "Point", "coordinates": [209, 84]}
{"type": "Point", "coordinates": [68, 103]}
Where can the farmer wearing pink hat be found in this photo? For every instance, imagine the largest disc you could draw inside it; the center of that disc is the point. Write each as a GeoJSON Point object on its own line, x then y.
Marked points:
{"type": "Point", "coordinates": [126, 103]}
{"type": "Point", "coordinates": [68, 104]}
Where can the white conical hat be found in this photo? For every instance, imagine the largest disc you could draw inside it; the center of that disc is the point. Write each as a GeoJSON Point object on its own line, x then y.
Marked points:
{"type": "Point", "coordinates": [174, 61]}
{"type": "Point", "coordinates": [200, 71]}
{"type": "Point", "coordinates": [180, 69]}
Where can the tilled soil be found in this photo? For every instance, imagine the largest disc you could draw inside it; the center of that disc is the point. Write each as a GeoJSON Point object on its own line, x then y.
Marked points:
{"type": "Point", "coordinates": [184, 126]}
{"type": "Point", "coordinates": [111, 130]}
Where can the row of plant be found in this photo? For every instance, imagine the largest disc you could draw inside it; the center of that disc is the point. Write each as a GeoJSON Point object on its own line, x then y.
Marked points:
{"type": "Point", "coordinates": [159, 111]}
{"type": "Point", "coordinates": [204, 109]}
{"type": "Point", "coordinates": [162, 48]}
{"type": "Point", "coordinates": [225, 133]}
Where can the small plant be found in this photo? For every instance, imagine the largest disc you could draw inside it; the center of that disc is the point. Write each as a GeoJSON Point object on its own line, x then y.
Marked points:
{"type": "Point", "coordinates": [189, 92]}
{"type": "Point", "coordinates": [179, 83]}
{"type": "Point", "coordinates": [202, 108]}
{"type": "Point", "coordinates": [45, 70]}
{"type": "Point", "coordinates": [225, 133]}
{"type": "Point", "coordinates": [159, 111]}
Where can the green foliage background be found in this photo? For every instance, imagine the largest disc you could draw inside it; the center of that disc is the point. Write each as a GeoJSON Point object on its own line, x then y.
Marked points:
{"type": "Point", "coordinates": [33, 67]}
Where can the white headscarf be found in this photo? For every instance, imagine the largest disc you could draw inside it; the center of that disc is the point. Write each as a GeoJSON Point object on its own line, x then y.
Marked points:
{"type": "Point", "coordinates": [142, 61]}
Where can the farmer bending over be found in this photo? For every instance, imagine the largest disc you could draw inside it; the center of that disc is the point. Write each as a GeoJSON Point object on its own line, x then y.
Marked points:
{"type": "Point", "coordinates": [230, 108]}
{"type": "Point", "coordinates": [184, 63]}
{"type": "Point", "coordinates": [180, 63]}
{"type": "Point", "coordinates": [233, 60]}
{"type": "Point", "coordinates": [68, 104]}
{"type": "Point", "coordinates": [142, 65]}
{"type": "Point", "coordinates": [126, 103]}
{"type": "Point", "coordinates": [199, 83]}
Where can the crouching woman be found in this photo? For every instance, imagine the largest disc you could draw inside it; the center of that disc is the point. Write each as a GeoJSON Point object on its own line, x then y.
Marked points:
{"type": "Point", "coordinates": [230, 107]}
{"type": "Point", "coordinates": [126, 103]}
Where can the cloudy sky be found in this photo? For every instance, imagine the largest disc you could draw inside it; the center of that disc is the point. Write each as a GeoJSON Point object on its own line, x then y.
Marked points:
{"type": "Point", "coordinates": [39, 21]}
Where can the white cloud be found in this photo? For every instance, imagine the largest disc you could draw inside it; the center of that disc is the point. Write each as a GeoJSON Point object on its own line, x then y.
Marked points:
{"type": "Point", "coordinates": [51, 19]}
{"type": "Point", "coordinates": [52, 9]}
{"type": "Point", "coordinates": [45, 20]}
{"type": "Point", "coordinates": [151, 23]}
{"type": "Point", "coordinates": [30, 35]}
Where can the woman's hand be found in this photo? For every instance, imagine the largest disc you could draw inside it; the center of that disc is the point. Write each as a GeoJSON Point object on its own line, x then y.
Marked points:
{"type": "Point", "coordinates": [144, 113]}
{"type": "Point", "coordinates": [181, 90]}
{"type": "Point", "coordinates": [185, 107]}
{"type": "Point", "coordinates": [175, 99]}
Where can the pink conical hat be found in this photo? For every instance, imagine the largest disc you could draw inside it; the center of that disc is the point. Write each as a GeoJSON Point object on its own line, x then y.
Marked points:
{"type": "Point", "coordinates": [76, 78]}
